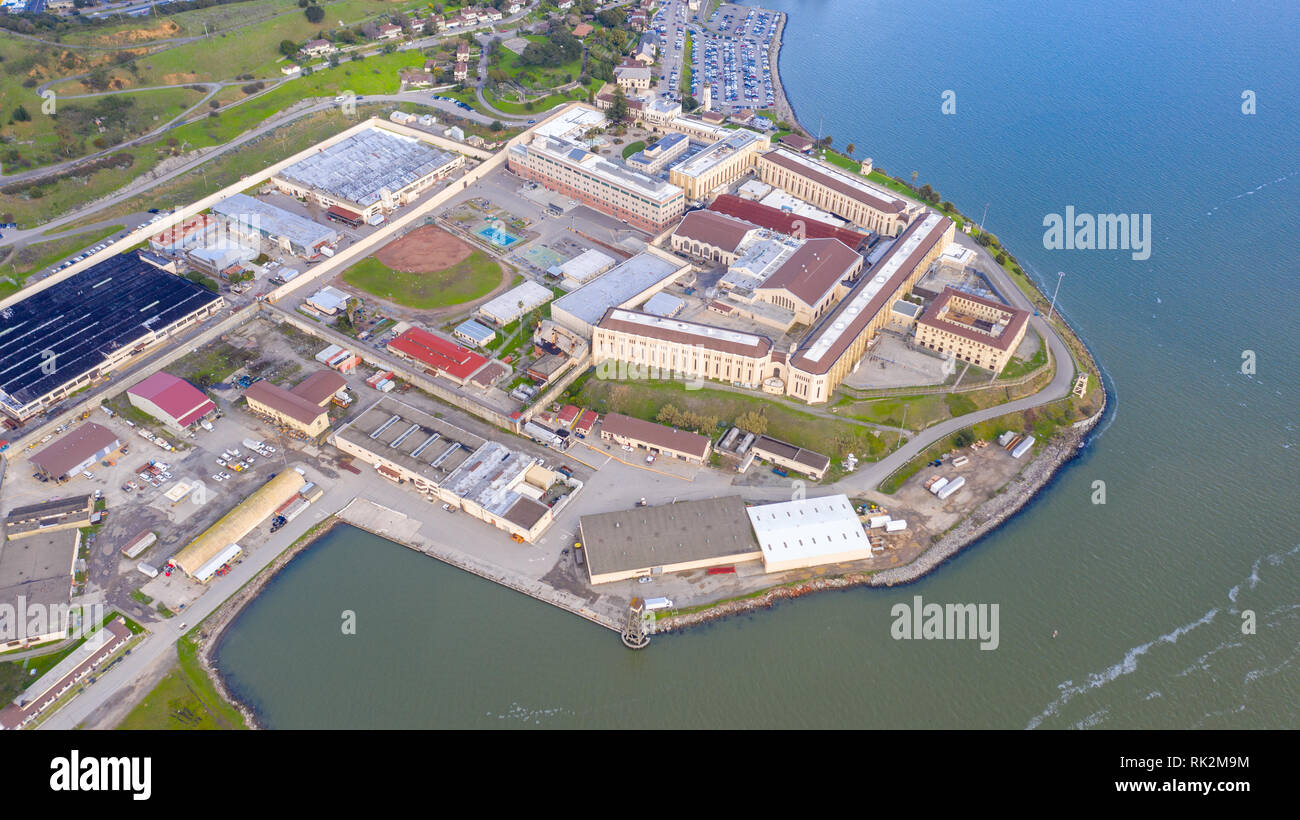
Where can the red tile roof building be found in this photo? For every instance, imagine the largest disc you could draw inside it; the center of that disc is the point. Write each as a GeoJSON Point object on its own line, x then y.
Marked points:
{"type": "Point", "coordinates": [438, 356]}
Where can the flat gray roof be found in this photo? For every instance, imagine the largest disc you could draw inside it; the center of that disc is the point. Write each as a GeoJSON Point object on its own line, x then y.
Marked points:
{"type": "Point", "coordinates": [274, 221]}
{"type": "Point", "coordinates": [359, 167]}
{"type": "Point", "coordinates": [38, 567]}
{"type": "Point", "coordinates": [621, 283]}
{"type": "Point", "coordinates": [668, 534]}
{"type": "Point", "coordinates": [420, 439]}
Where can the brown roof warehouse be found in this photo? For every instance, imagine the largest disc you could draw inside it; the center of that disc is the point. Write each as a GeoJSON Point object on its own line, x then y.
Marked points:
{"type": "Point", "coordinates": [669, 538]}
{"type": "Point", "coordinates": [656, 438]}
{"type": "Point", "coordinates": [76, 451]}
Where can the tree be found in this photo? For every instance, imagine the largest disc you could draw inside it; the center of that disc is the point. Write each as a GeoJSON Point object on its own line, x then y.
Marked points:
{"type": "Point", "coordinates": [1001, 258]}
{"type": "Point", "coordinates": [964, 438]}
{"type": "Point", "coordinates": [689, 104]}
{"type": "Point", "coordinates": [21, 115]}
{"type": "Point", "coordinates": [288, 48]}
{"type": "Point", "coordinates": [618, 107]}
{"type": "Point", "coordinates": [314, 14]}
{"type": "Point", "coordinates": [914, 176]}
{"type": "Point", "coordinates": [850, 149]}
{"type": "Point", "coordinates": [496, 126]}
{"type": "Point", "coordinates": [754, 422]}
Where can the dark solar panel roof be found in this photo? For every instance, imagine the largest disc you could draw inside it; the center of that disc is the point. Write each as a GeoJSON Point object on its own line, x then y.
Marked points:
{"type": "Point", "coordinates": [71, 327]}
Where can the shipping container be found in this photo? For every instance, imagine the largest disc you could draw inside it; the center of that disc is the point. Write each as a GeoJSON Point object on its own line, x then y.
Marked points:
{"type": "Point", "coordinates": [953, 486]}
{"type": "Point", "coordinates": [896, 525]}
{"type": "Point", "coordinates": [938, 485]}
{"type": "Point", "coordinates": [878, 521]}
{"type": "Point", "coordinates": [328, 353]}
{"type": "Point", "coordinates": [1023, 447]}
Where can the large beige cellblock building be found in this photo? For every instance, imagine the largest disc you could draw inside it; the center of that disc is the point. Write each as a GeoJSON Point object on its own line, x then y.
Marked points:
{"type": "Point", "coordinates": [972, 329]}
{"type": "Point", "coordinates": [833, 189]}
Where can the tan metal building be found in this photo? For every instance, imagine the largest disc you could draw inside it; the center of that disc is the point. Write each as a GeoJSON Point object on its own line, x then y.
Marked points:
{"type": "Point", "coordinates": [239, 522]}
{"type": "Point", "coordinates": [833, 189]}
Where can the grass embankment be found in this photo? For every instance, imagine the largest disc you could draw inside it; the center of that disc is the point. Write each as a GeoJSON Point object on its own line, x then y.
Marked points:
{"type": "Point", "coordinates": [1042, 422]}
{"type": "Point", "coordinates": [20, 264]}
{"type": "Point", "coordinates": [185, 699]}
{"type": "Point", "coordinates": [688, 60]}
{"type": "Point", "coordinates": [544, 104]}
{"type": "Point", "coordinates": [471, 278]}
{"type": "Point", "coordinates": [531, 76]}
{"type": "Point", "coordinates": [644, 398]}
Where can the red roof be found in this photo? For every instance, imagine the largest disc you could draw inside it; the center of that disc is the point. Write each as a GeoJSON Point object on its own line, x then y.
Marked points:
{"type": "Point", "coordinates": [437, 353]}
{"type": "Point", "coordinates": [775, 219]}
{"type": "Point", "coordinates": [568, 413]}
{"type": "Point", "coordinates": [176, 397]}
{"type": "Point", "coordinates": [344, 213]}
{"type": "Point", "coordinates": [585, 423]}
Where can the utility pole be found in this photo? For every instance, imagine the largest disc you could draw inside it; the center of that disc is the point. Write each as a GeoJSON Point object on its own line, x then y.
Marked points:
{"type": "Point", "coordinates": [1060, 275]}
{"type": "Point", "coordinates": [982, 218]}
{"type": "Point", "coordinates": [900, 427]}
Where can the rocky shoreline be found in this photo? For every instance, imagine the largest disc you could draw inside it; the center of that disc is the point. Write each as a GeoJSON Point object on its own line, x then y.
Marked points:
{"type": "Point", "coordinates": [784, 110]}
{"type": "Point", "coordinates": [986, 518]}
{"type": "Point", "coordinates": [215, 625]}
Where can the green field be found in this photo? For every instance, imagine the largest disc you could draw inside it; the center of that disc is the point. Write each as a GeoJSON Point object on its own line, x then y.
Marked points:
{"type": "Point", "coordinates": [25, 261]}
{"type": "Point", "coordinates": [921, 411]}
{"type": "Point", "coordinates": [633, 148]}
{"type": "Point", "coordinates": [643, 399]}
{"type": "Point", "coordinates": [531, 76]}
{"type": "Point", "coordinates": [184, 699]}
{"type": "Point", "coordinates": [544, 104]}
{"type": "Point", "coordinates": [471, 278]}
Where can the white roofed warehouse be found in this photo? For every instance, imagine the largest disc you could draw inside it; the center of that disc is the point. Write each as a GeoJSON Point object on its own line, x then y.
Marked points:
{"type": "Point", "coordinates": [509, 306]}
{"type": "Point", "coordinates": [370, 172]}
{"type": "Point", "coordinates": [809, 532]}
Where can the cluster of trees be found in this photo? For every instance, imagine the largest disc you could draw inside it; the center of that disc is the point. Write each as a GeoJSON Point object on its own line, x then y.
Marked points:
{"type": "Point", "coordinates": [686, 420]}
{"type": "Point", "coordinates": [754, 421]}
{"type": "Point", "coordinates": [560, 47]}
{"type": "Point", "coordinates": [33, 186]}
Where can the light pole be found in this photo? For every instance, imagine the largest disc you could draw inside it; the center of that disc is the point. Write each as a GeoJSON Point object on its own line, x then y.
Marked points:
{"type": "Point", "coordinates": [982, 218]}
{"type": "Point", "coordinates": [1059, 276]}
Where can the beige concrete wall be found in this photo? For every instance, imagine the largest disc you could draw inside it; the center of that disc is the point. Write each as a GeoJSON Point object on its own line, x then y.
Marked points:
{"type": "Point", "coordinates": [684, 566]}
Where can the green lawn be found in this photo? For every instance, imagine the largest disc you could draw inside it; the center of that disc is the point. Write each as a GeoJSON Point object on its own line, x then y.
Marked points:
{"type": "Point", "coordinates": [543, 105]}
{"type": "Point", "coordinates": [921, 411]}
{"type": "Point", "coordinates": [642, 399]}
{"type": "Point", "coordinates": [538, 77]}
{"type": "Point", "coordinates": [469, 279]}
{"type": "Point", "coordinates": [185, 699]}
{"type": "Point", "coordinates": [688, 60]}
{"type": "Point", "coordinates": [633, 148]}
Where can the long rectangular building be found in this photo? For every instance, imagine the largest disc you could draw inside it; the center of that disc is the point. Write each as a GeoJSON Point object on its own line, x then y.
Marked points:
{"type": "Point", "coordinates": [629, 283]}
{"type": "Point", "coordinates": [610, 187]}
{"type": "Point", "coordinates": [488, 480]}
{"type": "Point", "coordinates": [71, 334]}
{"type": "Point", "coordinates": [676, 348]}
{"type": "Point", "coordinates": [370, 172]}
{"type": "Point", "coordinates": [842, 193]}
{"type": "Point", "coordinates": [834, 346]}
{"type": "Point", "coordinates": [722, 163]}
{"type": "Point", "coordinates": [676, 537]}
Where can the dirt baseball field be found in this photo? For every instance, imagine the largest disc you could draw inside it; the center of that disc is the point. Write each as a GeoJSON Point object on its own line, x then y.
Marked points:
{"type": "Point", "coordinates": [424, 250]}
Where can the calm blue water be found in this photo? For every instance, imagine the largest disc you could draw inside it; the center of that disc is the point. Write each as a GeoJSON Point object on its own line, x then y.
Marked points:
{"type": "Point", "coordinates": [1107, 106]}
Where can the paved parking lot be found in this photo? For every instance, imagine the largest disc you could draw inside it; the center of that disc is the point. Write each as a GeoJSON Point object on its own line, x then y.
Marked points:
{"type": "Point", "coordinates": [730, 53]}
